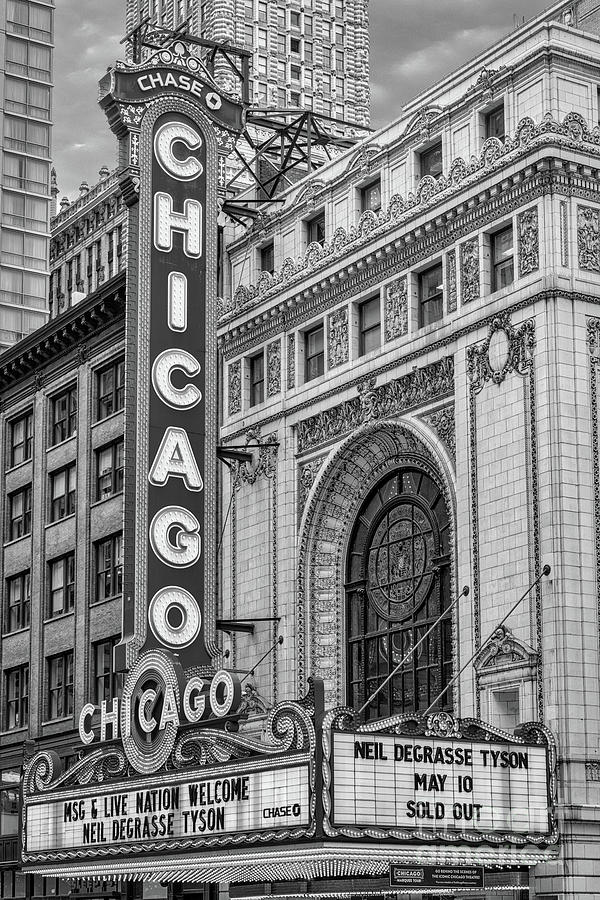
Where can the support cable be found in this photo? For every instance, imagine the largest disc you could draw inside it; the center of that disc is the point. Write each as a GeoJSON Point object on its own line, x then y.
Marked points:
{"type": "Point", "coordinates": [277, 643]}
{"type": "Point", "coordinates": [403, 662]}
{"type": "Point", "coordinates": [545, 571]}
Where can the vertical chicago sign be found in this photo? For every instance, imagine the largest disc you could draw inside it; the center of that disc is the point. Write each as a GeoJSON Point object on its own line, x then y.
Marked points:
{"type": "Point", "coordinates": [175, 127]}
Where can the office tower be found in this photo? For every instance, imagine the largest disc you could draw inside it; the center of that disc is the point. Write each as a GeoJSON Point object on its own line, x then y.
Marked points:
{"type": "Point", "coordinates": [27, 35]}
{"type": "Point", "coordinates": [309, 53]}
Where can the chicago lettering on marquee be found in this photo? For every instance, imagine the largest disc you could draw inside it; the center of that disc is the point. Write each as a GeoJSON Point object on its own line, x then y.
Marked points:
{"type": "Point", "coordinates": [173, 122]}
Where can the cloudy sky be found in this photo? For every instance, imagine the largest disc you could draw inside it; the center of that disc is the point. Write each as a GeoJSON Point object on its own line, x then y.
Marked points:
{"type": "Point", "coordinates": [413, 44]}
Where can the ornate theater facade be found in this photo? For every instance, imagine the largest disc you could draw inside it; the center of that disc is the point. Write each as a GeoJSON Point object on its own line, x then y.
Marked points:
{"type": "Point", "coordinates": [360, 636]}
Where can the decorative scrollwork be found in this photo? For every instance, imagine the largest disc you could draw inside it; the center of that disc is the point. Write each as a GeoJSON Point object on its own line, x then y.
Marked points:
{"type": "Point", "coordinates": [44, 771]}
{"type": "Point", "coordinates": [442, 725]}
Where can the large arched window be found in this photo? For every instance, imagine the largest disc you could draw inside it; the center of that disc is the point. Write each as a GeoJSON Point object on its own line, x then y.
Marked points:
{"type": "Point", "coordinates": [397, 584]}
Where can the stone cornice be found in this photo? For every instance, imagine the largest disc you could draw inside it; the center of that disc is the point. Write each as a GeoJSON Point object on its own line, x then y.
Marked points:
{"type": "Point", "coordinates": [407, 250]}
{"type": "Point", "coordinates": [63, 333]}
{"type": "Point", "coordinates": [462, 178]}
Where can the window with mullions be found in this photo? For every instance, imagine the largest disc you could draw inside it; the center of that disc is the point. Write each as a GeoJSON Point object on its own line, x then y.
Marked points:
{"type": "Point", "coordinates": [105, 681]}
{"type": "Point", "coordinates": [370, 326]}
{"type": "Point", "coordinates": [16, 692]}
{"type": "Point", "coordinates": [64, 415]}
{"type": "Point", "coordinates": [397, 584]}
{"type": "Point", "coordinates": [20, 439]}
{"type": "Point", "coordinates": [111, 389]}
{"type": "Point", "coordinates": [503, 271]}
{"type": "Point", "coordinates": [314, 353]}
{"type": "Point", "coordinates": [18, 602]}
{"type": "Point", "coordinates": [109, 470]}
{"type": "Point", "coordinates": [431, 296]}
{"type": "Point", "coordinates": [257, 378]}
{"type": "Point", "coordinates": [60, 685]}
{"type": "Point", "coordinates": [61, 585]}
{"type": "Point", "coordinates": [109, 568]}
{"type": "Point", "coordinates": [62, 493]}
{"type": "Point", "coordinates": [19, 513]}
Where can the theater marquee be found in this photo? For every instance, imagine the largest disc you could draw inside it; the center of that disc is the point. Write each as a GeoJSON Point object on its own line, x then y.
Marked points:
{"type": "Point", "coordinates": [397, 779]}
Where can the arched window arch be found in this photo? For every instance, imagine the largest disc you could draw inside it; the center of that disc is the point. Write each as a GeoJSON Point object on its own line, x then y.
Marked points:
{"type": "Point", "coordinates": [397, 584]}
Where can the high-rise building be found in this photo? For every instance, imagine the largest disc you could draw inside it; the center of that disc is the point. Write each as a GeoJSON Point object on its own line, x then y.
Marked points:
{"type": "Point", "coordinates": [306, 53]}
{"type": "Point", "coordinates": [26, 28]}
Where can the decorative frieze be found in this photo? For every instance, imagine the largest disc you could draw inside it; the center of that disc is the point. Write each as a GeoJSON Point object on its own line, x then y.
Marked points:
{"type": "Point", "coordinates": [442, 422]}
{"type": "Point", "coordinates": [291, 362]}
{"type": "Point", "coordinates": [235, 387]}
{"type": "Point", "coordinates": [308, 473]}
{"type": "Point", "coordinates": [528, 242]}
{"type": "Point", "coordinates": [395, 310]}
{"type": "Point", "coordinates": [273, 368]}
{"type": "Point", "coordinates": [506, 349]}
{"type": "Point", "coordinates": [392, 399]}
{"type": "Point", "coordinates": [451, 281]}
{"type": "Point", "coordinates": [337, 338]}
{"type": "Point", "coordinates": [588, 238]}
{"type": "Point", "coordinates": [469, 270]}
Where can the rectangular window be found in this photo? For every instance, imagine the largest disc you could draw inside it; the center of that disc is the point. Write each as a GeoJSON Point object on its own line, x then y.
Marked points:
{"type": "Point", "coordinates": [16, 691]}
{"type": "Point", "coordinates": [64, 415]}
{"type": "Point", "coordinates": [494, 123]}
{"type": "Point", "coordinates": [249, 35]}
{"type": "Point", "coordinates": [280, 19]}
{"type": "Point", "coordinates": [109, 470]}
{"type": "Point", "coordinates": [28, 60]}
{"type": "Point", "coordinates": [104, 678]}
{"type": "Point", "coordinates": [20, 439]}
{"type": "Point", "coordinates": [60, 685]}
{"type": "Point", "coordinates": [431, 161]}
{"type": "Point", "coordinates": [294, 98]}
{"type": "Point", "coordinates": [29, 19]}
{"type": "Point", "coordinates": [326, 52]}
{"type": "Point", "coordinates": [308, 52]}
{"type": "Point", "coordinates": [295, 74]}
{"type": "Point", "coordinates": [339, 34]}
{"type": "Point", "coordinates": [257, 379]}
{"type": "Point", "coordinates": [294, 45]}
{"type": "Point", "coordinates": [315, 229]}
{"type": "Point", "coordinates": [18, 602]}
{"type": "Point", "coordinates": [369, 326]}
{"type": "Point", "coordinates": [26, 250]}
{"type": "Point", "coordinates": [502, 259]}
{"type": "Point", "coordinates": [314, 353]}
{"type": "Point", "coordinates": [110, 383]}
{"type": "Point", "coordinates": [61, 585]}
{"type": "Point", "coordinates": [27, 98]}
{"type": "Point", "coordinates": [25, 174]}
{"type": "Point", "coordinates": [281, 97]}
{"type": "Point", "coordinates": [262, 65]}
{"type": "Point", "coordinates": [431, 296]}
{"type": "Point", "coordinates": [262, 11]}
{"type": "Point", "coordinates": [339, 60]}
{"type": "Point", "coordinates": [295, 19]}
{"type": "Point", "coordinates": [370, 197]}
{"type": "Point", "coordinates": [26, 136]}
{"type": "Point", "coordinates": [109, 568]}
{"type": "Point", "coordinates": [62, 493]}
{"type": "Point", "coordinates": [267, 258]}
{"type": "Point", "coordinates": [262, 39]}
{"type": "Point", "coordinates": [19, 513]}
{"type": "Point", "coordinates": [308, 25]}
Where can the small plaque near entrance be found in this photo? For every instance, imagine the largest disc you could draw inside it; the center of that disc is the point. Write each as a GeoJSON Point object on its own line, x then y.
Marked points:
{"type": "Point", "coordinates": [436, 876]}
